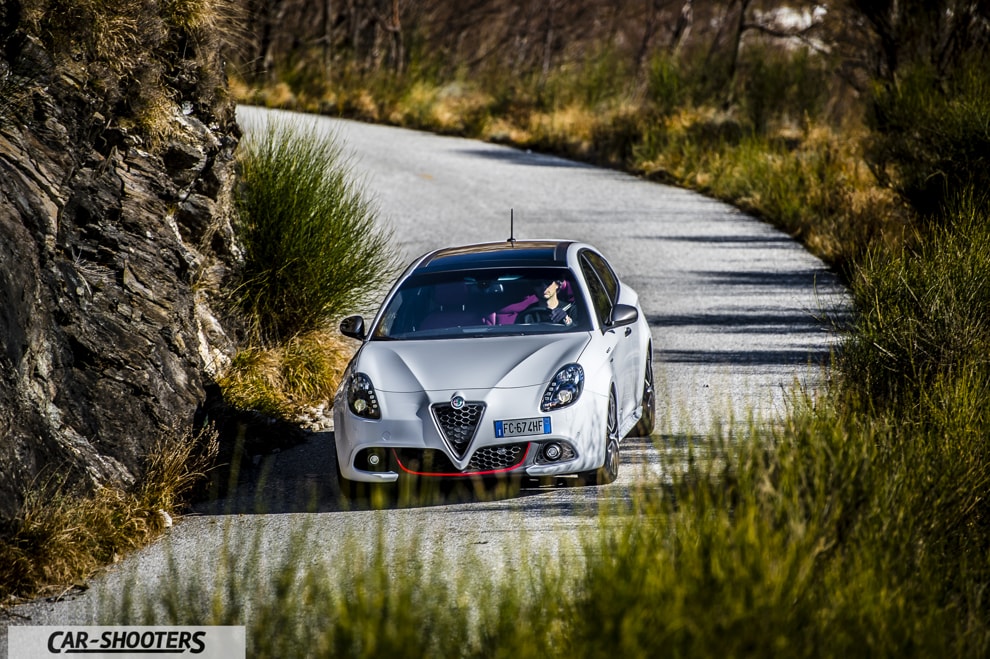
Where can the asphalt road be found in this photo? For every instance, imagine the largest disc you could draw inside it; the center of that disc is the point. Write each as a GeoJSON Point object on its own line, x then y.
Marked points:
{"type": "Point", "coordinates": [741, 316]}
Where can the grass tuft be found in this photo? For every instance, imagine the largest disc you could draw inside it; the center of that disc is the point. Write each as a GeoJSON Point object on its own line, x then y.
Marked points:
{"type": "Point", "coordinates": [312, 244]}
{"type": "Point", "coordinates": [285, 380]}
{"type": "Point", "coordinates": [62, 536]}
{"type": "Point", "coordinates": [823, 537]}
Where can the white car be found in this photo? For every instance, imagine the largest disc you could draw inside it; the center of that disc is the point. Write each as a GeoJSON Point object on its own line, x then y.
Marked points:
{"type": "Point", "coordinates": [523, 358]}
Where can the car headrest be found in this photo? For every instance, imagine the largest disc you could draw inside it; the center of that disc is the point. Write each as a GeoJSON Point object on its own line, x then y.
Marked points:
{"type": "Point", "coordinates": [451, 296]}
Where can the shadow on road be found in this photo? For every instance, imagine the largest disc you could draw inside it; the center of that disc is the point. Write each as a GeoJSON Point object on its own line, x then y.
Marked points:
{"type": "Point", "coordinates": [302, 479]}
{"type": "Point", "coordinates": [517, 157]}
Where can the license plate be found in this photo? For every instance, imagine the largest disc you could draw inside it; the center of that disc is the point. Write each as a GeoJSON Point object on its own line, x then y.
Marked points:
{"type": "Point", "coordinates": [537, 425]}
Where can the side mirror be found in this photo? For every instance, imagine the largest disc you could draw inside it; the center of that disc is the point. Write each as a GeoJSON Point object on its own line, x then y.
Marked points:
{"type": "Point", "coordinates": [353, 326]}
{"type": "Point", "coordinates": [624, 314]}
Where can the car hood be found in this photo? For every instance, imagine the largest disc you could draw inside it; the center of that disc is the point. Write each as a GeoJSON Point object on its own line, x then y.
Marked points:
{"type": "Point", "coordinates": [477, 363]}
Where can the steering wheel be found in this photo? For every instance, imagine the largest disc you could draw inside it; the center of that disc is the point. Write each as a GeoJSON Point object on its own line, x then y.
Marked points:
{"type": "Point", "coordinates": [531, 316]}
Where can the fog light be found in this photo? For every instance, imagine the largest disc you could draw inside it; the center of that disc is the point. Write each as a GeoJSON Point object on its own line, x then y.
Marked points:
{"type": "Point", "coordinates": [373, 459]}
{"type": "Point", "coordinates": [552, 451]}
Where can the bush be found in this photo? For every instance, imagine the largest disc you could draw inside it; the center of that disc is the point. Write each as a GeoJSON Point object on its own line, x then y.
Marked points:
{"type": "Point", "coordinates": [775, 85]}
{"type": "Point", "coordinates": [827, 536]}
{"type": "Point", "coordinates": [924, 314]}
{"type": "Point", "coordinates": [930, 139]}
{"type": "Point", "coordinates": [312, 244]}
{"type": "Point", "coordinates": [285, 380]}
{"type": "Point", "coordinates": [667, 89]}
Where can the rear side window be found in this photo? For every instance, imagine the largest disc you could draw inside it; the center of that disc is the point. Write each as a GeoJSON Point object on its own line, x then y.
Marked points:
{"type": "Point", "coordinates": [605, 274]}
{"type": "Point", "coordinates": [599, 295]}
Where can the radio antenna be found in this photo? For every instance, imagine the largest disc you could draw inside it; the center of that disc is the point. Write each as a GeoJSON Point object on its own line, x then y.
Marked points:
{"type": "Point", "coordinates": [512, 228]}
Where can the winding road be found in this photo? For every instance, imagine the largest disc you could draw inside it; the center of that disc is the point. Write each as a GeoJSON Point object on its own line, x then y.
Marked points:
{"type": "Point", "coordinates": [740, 316]}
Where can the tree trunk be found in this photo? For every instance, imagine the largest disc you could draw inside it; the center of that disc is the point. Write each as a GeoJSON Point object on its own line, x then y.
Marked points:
{"type": "Point", "coordinates": [682, 28]}
{"type": "Point", "coordinates": [397, 45]}
{"type": "Point", "coordinates": [548, 42]}
{"type": "Point", "coordinates": [649, 31]}
{"type": "Point", "coordinates": [737, 33]}
{"type": "Point", "coordinates": [328, 39]}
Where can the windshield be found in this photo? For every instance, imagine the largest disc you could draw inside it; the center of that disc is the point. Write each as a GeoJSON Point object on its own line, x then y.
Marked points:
{"type": "Point", "coordinates": [483, 303]}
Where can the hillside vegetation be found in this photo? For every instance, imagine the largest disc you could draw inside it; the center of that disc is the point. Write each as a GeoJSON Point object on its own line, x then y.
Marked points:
{"type": "Point", "coordinates": [859, 526]}
{"type": "Point", "coordinates": [825, 118]}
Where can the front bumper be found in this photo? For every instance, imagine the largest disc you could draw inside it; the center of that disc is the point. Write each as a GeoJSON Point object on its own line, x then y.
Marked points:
{"type": "Point", "coordinates": [409, 440]}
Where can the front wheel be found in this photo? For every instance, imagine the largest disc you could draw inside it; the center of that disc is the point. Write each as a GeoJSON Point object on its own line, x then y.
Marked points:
{"type": "Point", "coordinates": [609, 470]}
{"type": "Point", "coordinates": [648, 406]}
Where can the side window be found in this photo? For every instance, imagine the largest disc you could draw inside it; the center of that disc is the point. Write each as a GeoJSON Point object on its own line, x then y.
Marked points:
{"type": "Point", "coordinates": [605, 273]}
{"type": "Point", "coordinates": [599, 296]}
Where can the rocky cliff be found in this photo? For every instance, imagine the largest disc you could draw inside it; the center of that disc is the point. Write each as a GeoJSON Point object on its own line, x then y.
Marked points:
{"type": "Point", "coordinates": [111, 254]}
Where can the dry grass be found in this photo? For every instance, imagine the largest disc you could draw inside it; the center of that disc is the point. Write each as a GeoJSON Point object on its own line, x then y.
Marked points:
{"type": "Point", "coordinates": [126, 56]}
{"type": "Point", "coordinates": [286, 380]}
{"type": "Point", "coordinates": [570, 127]}
{"type": "Point", "coordinates": [62, 536]}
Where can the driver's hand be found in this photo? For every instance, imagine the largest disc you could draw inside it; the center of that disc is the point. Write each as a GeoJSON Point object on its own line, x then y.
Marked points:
{"type": "Point", "coordinates": [558, 315]}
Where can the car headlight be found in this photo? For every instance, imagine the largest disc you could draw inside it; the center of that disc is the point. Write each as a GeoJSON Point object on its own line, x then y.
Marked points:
{"type": "Point", "coordinates": [361, 397]}
{"type": "Point", "coordinates": [564, 389]}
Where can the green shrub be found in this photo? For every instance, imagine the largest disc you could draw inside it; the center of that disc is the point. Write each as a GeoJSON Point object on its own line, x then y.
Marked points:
{"type": "Point", "coordinates": [924, 313]}
{"type": "Point", "coordinates": [930, 138]}
{"type": "Point", "coordinates": [827, 536]}
{"type": "Point", "coordinates": [666, 87]}
{"type": "Point", "coordinates": [602, 77]}
{"type": "Point", "coordinates": [781, 85]}
{"type": "Point", "coordinates": [312, 245]}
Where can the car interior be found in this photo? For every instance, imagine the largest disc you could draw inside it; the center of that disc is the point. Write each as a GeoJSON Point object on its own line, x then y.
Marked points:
{"type": "Point", "coordinates": [473, 301]}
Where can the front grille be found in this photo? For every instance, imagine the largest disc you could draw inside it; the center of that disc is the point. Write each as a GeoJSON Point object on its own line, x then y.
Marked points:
{"type": "Point", "coordinates": [497, 458]}
{"type": "Point", "coordinates": [458, 426]}
{"type": "Point", "coordinates": [486, 459]}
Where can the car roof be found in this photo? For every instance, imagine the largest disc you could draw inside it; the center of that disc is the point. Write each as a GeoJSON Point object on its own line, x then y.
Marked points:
{"type": "Point", "coordinates": [515, 253]}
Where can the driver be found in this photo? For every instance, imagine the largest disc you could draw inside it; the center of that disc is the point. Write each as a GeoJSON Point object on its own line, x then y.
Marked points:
{"type": "Point", "coordinates": [544, 303]}
{"type": "Point", "coordinates": [550, 300]}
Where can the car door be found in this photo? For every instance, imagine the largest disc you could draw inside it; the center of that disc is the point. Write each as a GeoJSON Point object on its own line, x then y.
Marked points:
{"type": "Point", "coordinates": [604, 288]}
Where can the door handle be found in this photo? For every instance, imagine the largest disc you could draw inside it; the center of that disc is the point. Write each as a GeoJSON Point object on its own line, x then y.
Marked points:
{"type": "Point", "coordinates": [628, 331]}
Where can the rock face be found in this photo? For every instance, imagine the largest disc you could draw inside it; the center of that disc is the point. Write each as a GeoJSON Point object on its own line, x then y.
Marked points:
{"type": "Point", "coordinates": [110, 257]}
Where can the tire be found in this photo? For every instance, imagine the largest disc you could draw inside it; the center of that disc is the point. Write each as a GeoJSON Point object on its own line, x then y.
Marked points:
{"type": "Point", "coordinates": [609, 470]}
{"type": "Point", "coordinates": [648, 406]}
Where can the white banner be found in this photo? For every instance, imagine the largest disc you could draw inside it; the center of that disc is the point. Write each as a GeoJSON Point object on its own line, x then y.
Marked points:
{"type": "Point", "coordinates": [26, 642]}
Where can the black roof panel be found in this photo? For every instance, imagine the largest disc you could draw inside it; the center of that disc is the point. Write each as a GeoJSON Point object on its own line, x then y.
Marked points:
{"type": "Point", "coordinates": [488, 255]}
